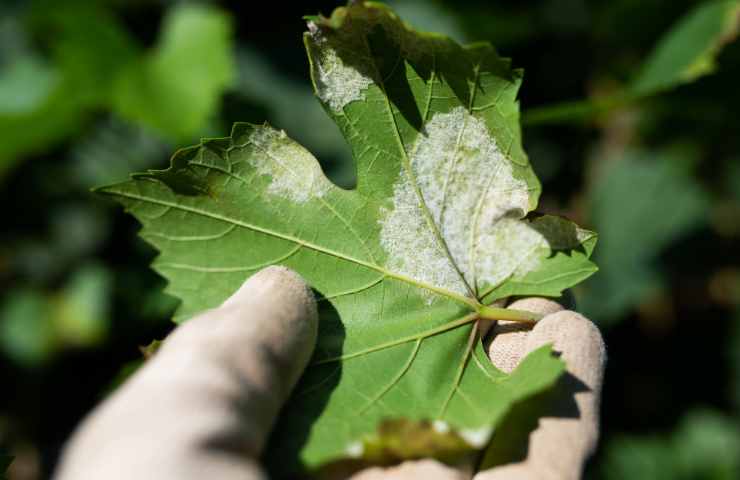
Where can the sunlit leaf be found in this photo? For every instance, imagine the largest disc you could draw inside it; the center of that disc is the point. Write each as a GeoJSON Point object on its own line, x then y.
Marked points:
{"type": "Point", "coordinates": [405, 265]}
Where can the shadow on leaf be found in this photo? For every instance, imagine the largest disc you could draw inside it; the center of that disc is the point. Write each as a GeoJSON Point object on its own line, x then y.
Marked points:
{"type": "Point", "coordinates": [308, 400]}
{"type": "Point", "coordinates": [510, 441]}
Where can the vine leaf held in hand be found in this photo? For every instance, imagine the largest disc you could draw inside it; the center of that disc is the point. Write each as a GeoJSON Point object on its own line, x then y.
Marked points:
{"type": "Point", "coordinates": [406, 264]}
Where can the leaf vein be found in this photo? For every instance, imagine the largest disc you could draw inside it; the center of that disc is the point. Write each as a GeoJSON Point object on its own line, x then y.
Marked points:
{"type": "Point", "coordinates": [197, 268]}
{"type": "Point", "coordinates": [396, 378]}
{"type": "Point", "coordinates": [446, 293]}
{"type": "Point", "coordinates": [471, 317]}
{"type": "Point", "coordinates": [192, 238]}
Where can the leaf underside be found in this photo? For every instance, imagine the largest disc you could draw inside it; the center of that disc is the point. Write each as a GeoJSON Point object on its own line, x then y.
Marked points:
{"type": "Point", "coordinates": [434, 229]}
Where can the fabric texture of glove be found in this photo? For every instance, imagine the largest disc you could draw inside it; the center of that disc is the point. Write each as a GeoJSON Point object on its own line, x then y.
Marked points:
{"type": "Point", "coordinates": [203, 406]}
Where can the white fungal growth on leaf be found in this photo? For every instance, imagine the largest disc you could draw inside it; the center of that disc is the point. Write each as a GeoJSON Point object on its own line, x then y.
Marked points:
{"type": "Point", "coordinates": [337, 83]}
{"type": "Point", "coordinates": [355, 450]}
{"type": "Point", "coordinates": [475, 202]}
{"type": "Point", "coordinates": [412, 247]}
{"type": "Point", "coordinates": [477, 438]}
{"type": "Point", "coordinates": [440, 426]}
{"type": "Point", "coordinates": [294, 172]}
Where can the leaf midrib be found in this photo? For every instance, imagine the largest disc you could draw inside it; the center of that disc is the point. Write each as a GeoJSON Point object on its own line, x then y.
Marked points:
{"type": "Point", "coordinates": [406, 162]}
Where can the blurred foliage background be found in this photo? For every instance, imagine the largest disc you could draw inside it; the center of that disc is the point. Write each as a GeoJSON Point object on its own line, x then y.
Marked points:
{"type": "Point", "coordinates": [630, 120]}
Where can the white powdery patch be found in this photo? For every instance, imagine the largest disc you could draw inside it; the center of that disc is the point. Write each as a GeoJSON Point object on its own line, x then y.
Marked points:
{"type": "Point", "coordinates": [440, 426]}
{"type": "Point", "coordinates": [507, 250]}
{"type": "Point", "coordinates": [471, 193]}
{"type": "Point", "coordinates": [295, 174]}
{"type": "Point", "coordinates": [355, 450]}
{"type": "Point", "coordinates": [477, 438]}
{"type": "Point", "coordinates": [337, 83]}
{"type": "Point", "coordinates": [412, 248]}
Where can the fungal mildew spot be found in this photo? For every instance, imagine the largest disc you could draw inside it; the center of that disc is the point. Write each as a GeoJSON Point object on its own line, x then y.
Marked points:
{"type": "Point", "coordinates": [294, 173]}
{"type": "Point", "coordinates": [476, 438]}
{"type": "Point", "coordinates": [337, 83]}
{"type": "Point", "coordinates": [475, 201]}
{"type": "Point", "coordinates": [355, 450]}
{"type": "Point", "coordinates": [440, 426]}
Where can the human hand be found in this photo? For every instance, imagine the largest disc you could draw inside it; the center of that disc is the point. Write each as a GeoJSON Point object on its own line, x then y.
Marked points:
{"type": "Point", "coordinates": [203, 405]}
{"type": "Point", "coordinates": [206, 402]}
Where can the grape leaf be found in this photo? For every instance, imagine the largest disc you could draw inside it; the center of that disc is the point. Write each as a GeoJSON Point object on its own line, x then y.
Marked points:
{"type": "Point", "coordinates": [405, 264]}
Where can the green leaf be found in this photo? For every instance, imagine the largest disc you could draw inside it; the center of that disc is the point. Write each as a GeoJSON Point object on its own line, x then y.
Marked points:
{"type": "Point", "coordinates": [259, 80]}
{"type": "Point", "coordinates": [684, 54]}
{"type": "Point", "coordinates": [177, 88]}
{"type": "Point", "coordinates": [405, 264]}
{"type": "Point", "coordinates": [651, 192]}
{"type": "Point", "coordinates": [688, 51]}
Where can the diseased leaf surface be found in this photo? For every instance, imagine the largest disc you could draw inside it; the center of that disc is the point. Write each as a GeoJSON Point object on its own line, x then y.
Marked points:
{"type": "Point", "coordinates": [403, 263]}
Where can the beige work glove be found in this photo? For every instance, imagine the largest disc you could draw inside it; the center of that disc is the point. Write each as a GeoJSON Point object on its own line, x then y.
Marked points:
{"type": "Point", "coordinates": [203, 406]}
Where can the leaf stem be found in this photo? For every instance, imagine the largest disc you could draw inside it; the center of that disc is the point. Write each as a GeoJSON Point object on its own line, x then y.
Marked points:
{"type": "Point", "coordinates": [497, 313]}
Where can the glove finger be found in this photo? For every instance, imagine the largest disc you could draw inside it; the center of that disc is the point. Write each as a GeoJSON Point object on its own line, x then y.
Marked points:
{"type": "Point", "coordinates": [566, 436]}
{"type": "Point", "coordinates": [506, 344]}
{"type": "Point", "coordinates": [582, 348]}
{"type": "Point", "coordinates": [412, 470]}
{"type": "Point", "coordinates": [249, 353]}
{"type": "Point", "coordinates": [204, 404]}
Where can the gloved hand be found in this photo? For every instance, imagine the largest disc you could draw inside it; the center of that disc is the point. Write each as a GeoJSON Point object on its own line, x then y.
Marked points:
{"type": "Point", "coordinates": [203, 406]}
